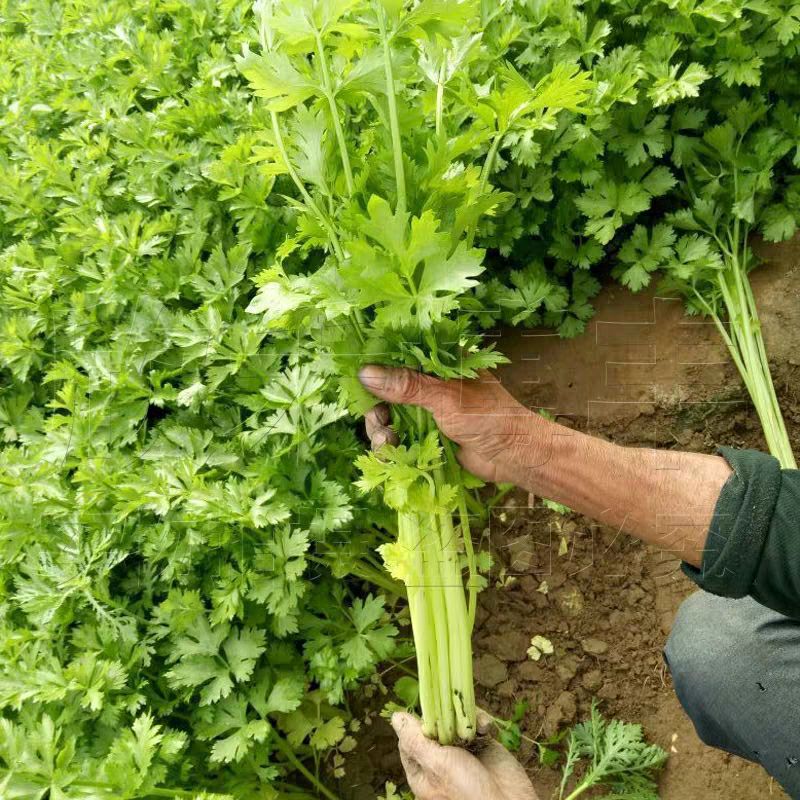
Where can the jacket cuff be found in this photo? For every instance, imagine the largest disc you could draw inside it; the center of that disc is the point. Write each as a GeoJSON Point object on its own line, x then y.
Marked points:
{"type": "Point", "coordinates": [740, 524]}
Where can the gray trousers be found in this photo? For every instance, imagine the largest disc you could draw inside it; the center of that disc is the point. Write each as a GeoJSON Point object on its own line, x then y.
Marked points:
{"type": "Point", "coordinates": [736, 669]}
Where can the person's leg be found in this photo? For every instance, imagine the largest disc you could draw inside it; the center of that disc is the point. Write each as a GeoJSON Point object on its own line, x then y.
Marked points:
{"type": "Point", "coordinates": [736, 669]}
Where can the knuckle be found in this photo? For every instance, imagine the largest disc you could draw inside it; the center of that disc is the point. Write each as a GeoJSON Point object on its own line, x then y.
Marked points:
{"type": "Point", "coordinates": [409, 384]}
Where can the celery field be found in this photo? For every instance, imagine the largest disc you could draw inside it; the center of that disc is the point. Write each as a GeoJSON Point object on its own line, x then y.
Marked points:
{"type": "Point", "coordinates": [213, 214]}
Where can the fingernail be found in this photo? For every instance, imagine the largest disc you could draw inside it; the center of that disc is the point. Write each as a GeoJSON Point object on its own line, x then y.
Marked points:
{"type": "Point", "coordinates": [372, 377]}
{"type": "Point", "coordinates": [382, 414]}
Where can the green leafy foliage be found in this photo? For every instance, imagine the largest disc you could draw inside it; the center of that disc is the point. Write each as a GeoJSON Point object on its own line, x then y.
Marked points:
{"type": "Point", "coordinates": [176, 476]}
{"type": "Point", "coordinates": [388, 203]}
{"type": "Point", "coordinates": [211, 215]}
{"type": "Point", "coordinates": [691, 126]}
{"type": "Point", "coordinates": [615, 756]}
{"type": "Point", "coordinates": [645, 144]}
{"type": "Point", "coordinates": [509, 732]}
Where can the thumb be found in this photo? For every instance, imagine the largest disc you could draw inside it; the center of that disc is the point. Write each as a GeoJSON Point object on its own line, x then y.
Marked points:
{"type": "Point", "coordinates": [418, 752]}
{"type": "Point", "coordinates": [400, 385]}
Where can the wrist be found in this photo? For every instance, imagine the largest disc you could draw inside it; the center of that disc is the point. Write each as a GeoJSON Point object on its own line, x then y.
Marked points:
{"type": "Point", "coordinates": [531, 447]}
{"type": "Point", "coordinates": [557, 462]}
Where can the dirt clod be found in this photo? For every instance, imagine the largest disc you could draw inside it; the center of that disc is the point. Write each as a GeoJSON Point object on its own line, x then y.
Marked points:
{"type": "Point", "coordinates": [489, 671]}
{"type": "Point", "coordinates": [570, 600]}
{"type": "Point", "coordinates": [522, 553]}
{"type": "Point", "coordinates": [509, 646]}
{"type": "Point", "coordinates": [594, 647]}
{"type": "Point", "coordinates": [528, 671]}
{"type": "Point", "coordinates": [567, 668]}
{"type": "Point", "coordinates": [507, 689]}
{"type": "Point", "coordinates": [559, 714]}
{"type": "Point", "coordinates": [592, 680]}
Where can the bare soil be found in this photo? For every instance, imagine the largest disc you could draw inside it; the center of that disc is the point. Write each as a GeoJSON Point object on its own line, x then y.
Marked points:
{"type": "Point", "coordinates": [643, 375]}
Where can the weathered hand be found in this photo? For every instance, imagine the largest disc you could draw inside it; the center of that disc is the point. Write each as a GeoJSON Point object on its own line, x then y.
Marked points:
{"type": "Point", "coordinates": [435, 772]}
{"type": "Point", "coordinates": [498, 435]}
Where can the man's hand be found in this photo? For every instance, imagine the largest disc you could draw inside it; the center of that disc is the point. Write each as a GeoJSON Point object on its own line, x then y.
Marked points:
{"type": "Point", "coordinates": [435, 772]}
{"type": "Point", "coordinates": [495, 432]}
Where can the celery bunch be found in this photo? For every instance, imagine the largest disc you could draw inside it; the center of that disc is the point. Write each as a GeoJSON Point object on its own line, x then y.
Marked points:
{"type": "Point", "coordinates": [390, 145]}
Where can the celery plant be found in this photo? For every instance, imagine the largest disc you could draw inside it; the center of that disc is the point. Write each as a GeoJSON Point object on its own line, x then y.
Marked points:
{"type": "Point", "coordinates": [390, 146]}
{"type": "Point", "coordinates": [729, 183]}
{"type": "Point", "coordinates": [691, 112]}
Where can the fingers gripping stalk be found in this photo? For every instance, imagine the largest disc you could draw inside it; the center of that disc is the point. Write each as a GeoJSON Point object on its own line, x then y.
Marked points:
{"type": "Point", "coordinates": [435, 772]}
{"type": "Point", "coordinates": [426, 556]}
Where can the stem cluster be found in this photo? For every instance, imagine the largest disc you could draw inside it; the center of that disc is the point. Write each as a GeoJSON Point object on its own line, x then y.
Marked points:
{"type": "Point", "coordinates": [441, 616]}
{"type": "Point", "coordinates": [745, 342]}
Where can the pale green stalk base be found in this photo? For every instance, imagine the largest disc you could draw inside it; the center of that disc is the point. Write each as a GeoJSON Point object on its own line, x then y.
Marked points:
{"type": "Point", "coordinates": [745, 342]}
{"type": "Point", "coordinates": [441, 626]}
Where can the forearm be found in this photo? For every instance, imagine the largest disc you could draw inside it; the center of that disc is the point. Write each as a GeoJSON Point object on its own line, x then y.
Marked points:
{"type": "Point", "coordinates": [666, 498]}
{"type": "Point", "coordinates": [737, 530]}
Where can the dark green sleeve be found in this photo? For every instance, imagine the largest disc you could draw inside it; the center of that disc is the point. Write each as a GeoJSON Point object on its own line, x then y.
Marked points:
{"type": "Point", "coordinates": [753, 544]}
